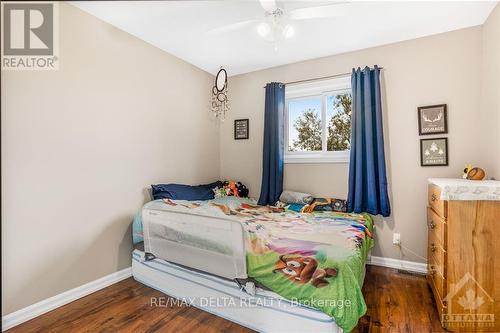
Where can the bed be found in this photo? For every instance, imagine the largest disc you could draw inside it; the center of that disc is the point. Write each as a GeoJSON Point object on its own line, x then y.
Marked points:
{"type": "Point", "coordinates": [265, 268]}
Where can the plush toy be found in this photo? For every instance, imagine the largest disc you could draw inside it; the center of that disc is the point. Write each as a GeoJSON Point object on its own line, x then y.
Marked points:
{"type": "Point", "coordinates": [219, 192]}
{"type": "Point", "coordinates": [233, 189]}
{"type": "Point", "coordinates": [227, 188]}
{"type": "Point", "coordinates": [242, 190]}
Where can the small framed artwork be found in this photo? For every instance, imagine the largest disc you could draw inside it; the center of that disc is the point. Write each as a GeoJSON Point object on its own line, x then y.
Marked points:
{"type": "Point", "coordinates": [434, 152]}
{"type": "Point", "coordinates": [432, 119]}
{"type": "Point", "coordinates": [241, 129]}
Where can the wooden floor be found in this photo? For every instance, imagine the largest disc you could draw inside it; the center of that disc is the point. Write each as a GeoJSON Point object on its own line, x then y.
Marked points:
{"type": "Point", "coordinates": [397, 302]}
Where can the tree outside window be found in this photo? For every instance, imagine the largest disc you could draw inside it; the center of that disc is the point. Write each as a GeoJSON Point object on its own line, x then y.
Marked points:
{"type": "Point", "coordinates": [306, 134]}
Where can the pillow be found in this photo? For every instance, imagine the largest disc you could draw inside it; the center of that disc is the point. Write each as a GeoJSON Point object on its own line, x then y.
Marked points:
{"type": "Point", "coordinates": [296, 197]}
{"type": "Point", "coordinates": [184, 192]}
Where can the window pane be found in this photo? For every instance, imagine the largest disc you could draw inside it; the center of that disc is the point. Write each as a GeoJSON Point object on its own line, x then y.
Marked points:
{"type": "Point", "coordinates": [304, 125]}
{"type": "Point", "coordinates": [338, 116]}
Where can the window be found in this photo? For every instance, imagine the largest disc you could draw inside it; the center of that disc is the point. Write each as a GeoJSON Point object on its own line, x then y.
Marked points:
{"type": "Point", "coordinates": [318, 121]}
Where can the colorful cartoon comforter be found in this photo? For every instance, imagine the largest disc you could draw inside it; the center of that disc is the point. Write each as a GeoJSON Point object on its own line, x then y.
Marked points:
{"type": "Point", "coordinates": [315, 259]}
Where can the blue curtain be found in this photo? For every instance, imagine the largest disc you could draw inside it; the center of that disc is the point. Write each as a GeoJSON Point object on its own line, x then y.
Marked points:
{"type": "Point", "coordinates": [367, 176]}
{"type": "Point", "coordinates": [272, 162]}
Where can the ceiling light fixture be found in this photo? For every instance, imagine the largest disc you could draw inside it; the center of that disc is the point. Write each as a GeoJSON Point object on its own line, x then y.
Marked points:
{"type": "Point", "coordinates": [275, 27]}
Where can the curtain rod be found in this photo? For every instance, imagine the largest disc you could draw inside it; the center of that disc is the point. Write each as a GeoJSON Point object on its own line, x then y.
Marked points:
{"type": "Point", "coordinates": [322, 78]}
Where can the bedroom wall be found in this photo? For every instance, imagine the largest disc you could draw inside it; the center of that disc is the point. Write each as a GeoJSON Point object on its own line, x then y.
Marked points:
{"type": "Point", "coordinates": [443, 68]}
{"type": "Point", "coordinates": [80, 144]}
{"type": "Point", "coordinates": [491, 90]}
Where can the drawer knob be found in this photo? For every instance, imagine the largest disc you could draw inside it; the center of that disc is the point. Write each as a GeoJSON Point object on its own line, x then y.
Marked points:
{"type": "Point", "coordinates": [432, 225]}
{"type": "Point", "coordinates": [433, 197]}
{"type": "Point", "coordinates": [433, 247]}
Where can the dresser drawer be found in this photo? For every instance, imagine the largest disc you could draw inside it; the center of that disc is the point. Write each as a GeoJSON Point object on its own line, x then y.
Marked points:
{"type": "Point", "coordinates": [440, 304]}
{"type": "Point", "coordinates": [437, 264]}
{"type": "Point", "coordinates": [433, 197]}
{"type": "Point", "coordinates": [437, 227]}
{"type": "Point", "coordinates": [436, 250]}
{"type": "Point", "coordinates": [435, 275]}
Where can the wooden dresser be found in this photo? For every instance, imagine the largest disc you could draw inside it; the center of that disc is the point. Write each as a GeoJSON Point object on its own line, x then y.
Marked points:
{"type": "Point", "coordinates": [464, 253]}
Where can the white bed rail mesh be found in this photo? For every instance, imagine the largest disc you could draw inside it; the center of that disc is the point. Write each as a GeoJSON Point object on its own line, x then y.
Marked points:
{"type": "Point", "coordinates": [210, 244]}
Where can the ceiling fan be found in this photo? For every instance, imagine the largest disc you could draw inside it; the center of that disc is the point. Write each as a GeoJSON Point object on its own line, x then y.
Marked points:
{"type": "Point", "coordinates": [276, 23]}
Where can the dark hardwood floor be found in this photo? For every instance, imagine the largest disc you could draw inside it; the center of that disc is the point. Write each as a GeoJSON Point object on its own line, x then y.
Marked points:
{"type": "Point", "coordinates": [397, 302]}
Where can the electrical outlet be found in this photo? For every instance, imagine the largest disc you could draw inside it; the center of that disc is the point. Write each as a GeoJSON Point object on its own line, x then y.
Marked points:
{"type": "Point", "coordinates": [396, 239]}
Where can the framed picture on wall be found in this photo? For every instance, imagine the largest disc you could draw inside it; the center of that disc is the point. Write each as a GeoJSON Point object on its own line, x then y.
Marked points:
{"type": "Point", "coordinates": [241, 129]}
{"type": "Point", "coordinates": [434, 152]}
{"type": "Point", "coordinates": [432, 119]}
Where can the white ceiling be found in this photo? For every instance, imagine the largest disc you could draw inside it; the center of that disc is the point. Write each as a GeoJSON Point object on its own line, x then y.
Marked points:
{"type": "Point", "coordinates": [180, 28]}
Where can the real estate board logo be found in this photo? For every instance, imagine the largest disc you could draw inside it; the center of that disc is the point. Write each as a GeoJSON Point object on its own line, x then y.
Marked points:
{"type": "Point", "coordinates": [30, 36]}
{"type": "Point", "coordinates": [469, 306]}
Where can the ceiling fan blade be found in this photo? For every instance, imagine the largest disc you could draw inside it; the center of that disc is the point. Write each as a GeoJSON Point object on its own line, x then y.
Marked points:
{"type": "Point", "coordinates": [232, 27]}
{"type": "Point", "coordinates": [334, 10]}
{"type": "Point", "coordinates": [269, 5]}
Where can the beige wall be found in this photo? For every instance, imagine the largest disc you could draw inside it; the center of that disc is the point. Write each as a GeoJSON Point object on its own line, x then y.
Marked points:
{"type": "Point", "coordinates": [80, 144]}
{"type": "Point", "coordinates": [491, 90]}
{"type": "Point", "coordinates": [444, 68]}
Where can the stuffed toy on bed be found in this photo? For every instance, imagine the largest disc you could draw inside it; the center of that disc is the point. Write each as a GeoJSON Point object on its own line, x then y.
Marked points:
{"type": "Point", "coordinates": [231, 188]}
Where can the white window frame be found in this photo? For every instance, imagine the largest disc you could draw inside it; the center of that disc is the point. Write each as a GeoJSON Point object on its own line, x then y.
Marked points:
{"type": "Point", "coordinates": [316, 89]}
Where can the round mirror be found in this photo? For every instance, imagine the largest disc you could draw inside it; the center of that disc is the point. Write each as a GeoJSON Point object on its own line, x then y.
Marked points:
{"type": "Point", "coordinates": [221, 80]}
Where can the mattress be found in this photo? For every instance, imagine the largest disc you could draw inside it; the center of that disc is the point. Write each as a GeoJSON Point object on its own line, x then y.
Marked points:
{"type": "Point", "coordinates": [314, 259]}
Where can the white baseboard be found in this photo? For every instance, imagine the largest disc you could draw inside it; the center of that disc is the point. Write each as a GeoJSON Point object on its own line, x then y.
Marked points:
{"type": "Point", "coordinates": [411, 266]}
{"type": "Point", "coordinates": [37, 309]}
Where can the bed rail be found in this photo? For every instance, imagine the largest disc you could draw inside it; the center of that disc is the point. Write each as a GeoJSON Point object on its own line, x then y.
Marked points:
{"type": "Point", "coordinates": [211, 244]}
